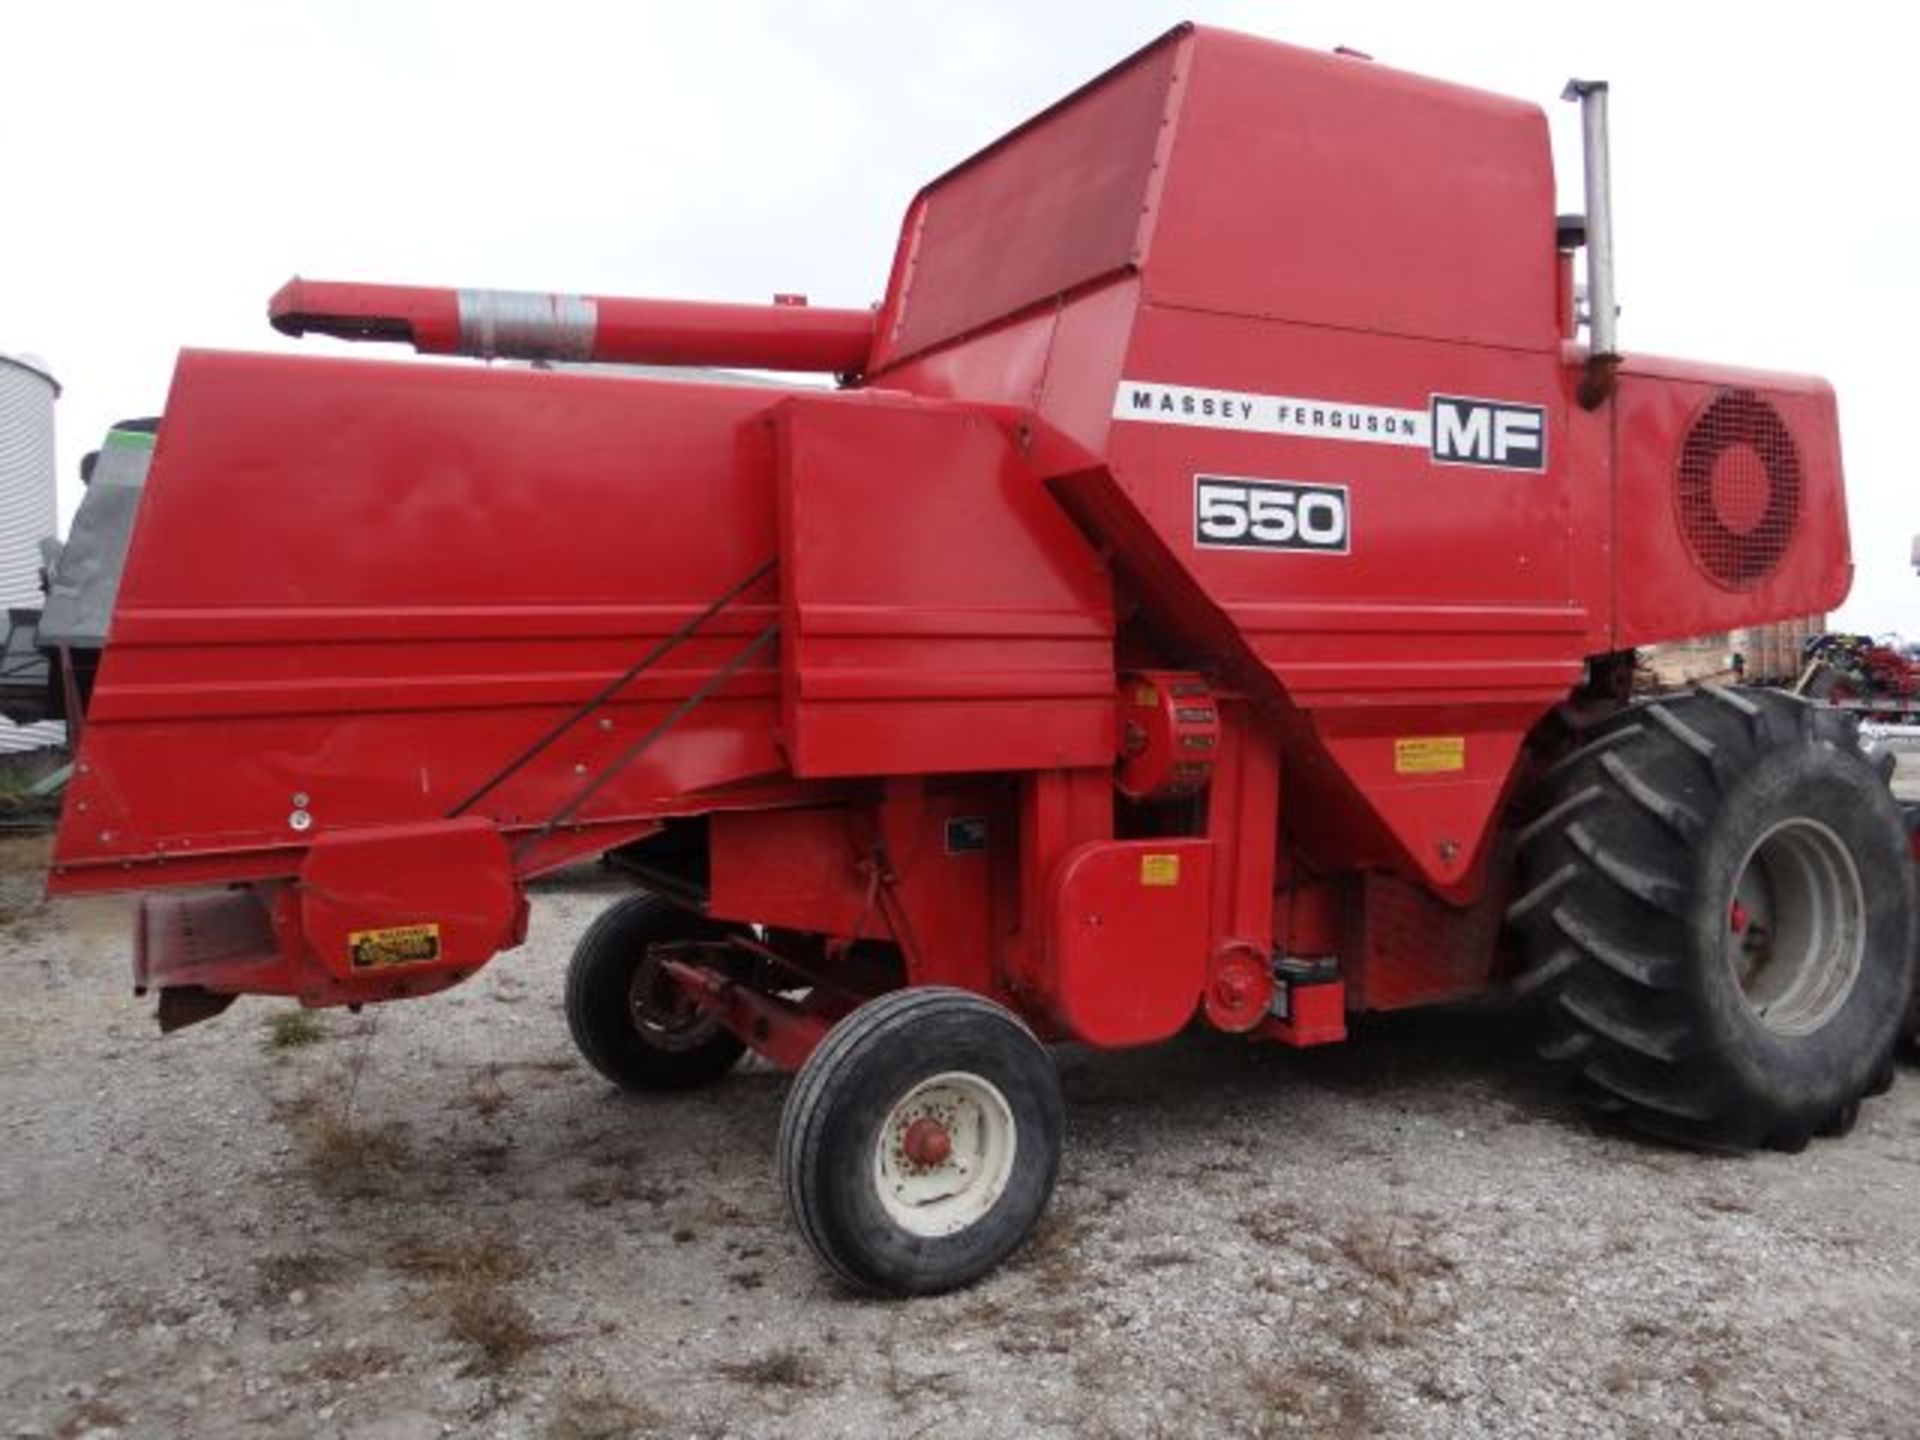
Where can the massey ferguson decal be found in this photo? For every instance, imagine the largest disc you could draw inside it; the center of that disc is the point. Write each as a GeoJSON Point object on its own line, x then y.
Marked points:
{"type": "Point", "coordinates": [1269, 414]}
{"type": "Point", "coordinates": [1453, 429]}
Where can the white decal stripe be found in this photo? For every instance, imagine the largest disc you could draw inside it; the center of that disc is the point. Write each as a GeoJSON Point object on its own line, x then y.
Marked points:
{"type": "Point", "coordinates": [1269, 414]}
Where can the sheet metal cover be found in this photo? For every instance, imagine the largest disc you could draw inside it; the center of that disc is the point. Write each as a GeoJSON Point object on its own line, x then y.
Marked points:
{"type": "Point", "coordinates": [1054, 205]}
{"type": "Point", "coordinates": [86, 577]}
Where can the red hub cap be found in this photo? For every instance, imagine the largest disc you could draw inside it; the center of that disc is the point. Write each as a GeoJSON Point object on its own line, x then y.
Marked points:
{"type": "Point", "coordinates": [927, 1142]}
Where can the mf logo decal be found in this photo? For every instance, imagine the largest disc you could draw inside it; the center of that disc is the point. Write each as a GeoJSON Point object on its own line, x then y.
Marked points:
{"type": "Point", "coordinates": [1234, 514]}
{"type": "Point", "coordinates": [1495, 433]}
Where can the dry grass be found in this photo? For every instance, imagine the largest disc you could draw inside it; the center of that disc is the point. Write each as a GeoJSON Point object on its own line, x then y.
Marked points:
{"type": "Point", "coordinates": [86, 1417]}
{"type": "Point", "coordinates": [485, 1094]}
{"type": "Point", "coordinates": [1318, 1397]}
{"type": "Point", "coordinates": [487, 1256]}
{"type": "Point", "coordinates": [1035, 1330]}
{"type": "Point", "coordinates": [1393, 1257]}
{"type": "Point", "coordinates": [468, 1280]}
{"type": "Point", "coordinates": [788, 1368]}
{"type": "Point", "coordinates": [1056, 1257]}
{"type": "Point", "coordinates": [349, 1364]}
{"type": "Point", "coordinates": [621, 1187]}
{"type": "Point", "coordinates": [484, 1315]}
{"type": "Point", "coordinates": [1274, 1224]}
{"type": "Point", "coordinates": [292, 1030]}
{"type": "Point", "coordinates": [278, 1277]}
{"type": "Point", "coordinates": [594, 1410]}
{"type": "Point", "coordinates": [909, 1389]}
{"type": "Point", "coordinates": [347, 1160]}
{"type": "Point", "coordinates": [1403, 1291]}
{"type": "Point", "coordinates": [1167, 1259]}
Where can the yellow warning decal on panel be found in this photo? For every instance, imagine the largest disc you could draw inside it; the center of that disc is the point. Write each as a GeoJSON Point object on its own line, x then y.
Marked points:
{"type": "Point", "coordinates": [1159, 869]}
{"type": "Point", "coordinates": [395, 945]}
{"type": "Point", "coordinates": [1429, 754]}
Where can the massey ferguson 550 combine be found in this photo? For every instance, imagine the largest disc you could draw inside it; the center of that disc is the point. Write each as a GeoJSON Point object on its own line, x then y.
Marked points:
{"type": "Point", "coordinates": [1208, 596]}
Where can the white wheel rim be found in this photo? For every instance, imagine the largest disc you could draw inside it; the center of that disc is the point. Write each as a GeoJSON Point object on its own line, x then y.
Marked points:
{"type": "Point", "coordinates": [930, 1193]}
{"type": "Point", "coordinates": [1796, 933]}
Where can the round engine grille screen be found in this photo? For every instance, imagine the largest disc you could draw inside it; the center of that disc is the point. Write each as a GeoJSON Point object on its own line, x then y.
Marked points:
{"type": "Point", "coordinates": [1738, 488]}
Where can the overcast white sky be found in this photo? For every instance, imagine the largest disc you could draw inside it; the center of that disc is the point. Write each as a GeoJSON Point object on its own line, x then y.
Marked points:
{"type": "Point", "coordinates": [167, 166]}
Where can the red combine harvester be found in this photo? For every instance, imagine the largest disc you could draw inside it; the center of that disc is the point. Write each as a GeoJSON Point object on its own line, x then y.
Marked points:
{"type": "Point", "coordinates": [1209, 594]}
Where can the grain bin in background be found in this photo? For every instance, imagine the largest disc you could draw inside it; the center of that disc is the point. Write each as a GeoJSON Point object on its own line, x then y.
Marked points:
{"type": "Point", "coordinates": [28, 513]}
{"type": "Point", "coordinates": [28, 516]}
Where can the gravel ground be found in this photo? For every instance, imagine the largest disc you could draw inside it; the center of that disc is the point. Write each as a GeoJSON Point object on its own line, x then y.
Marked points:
{"type": "Point", "coordinates": [435, 1221]}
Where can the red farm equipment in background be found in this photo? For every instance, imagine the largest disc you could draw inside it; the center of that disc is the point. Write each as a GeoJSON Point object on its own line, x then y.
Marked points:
{"type": "Point", "coordinates": [1208, 595]}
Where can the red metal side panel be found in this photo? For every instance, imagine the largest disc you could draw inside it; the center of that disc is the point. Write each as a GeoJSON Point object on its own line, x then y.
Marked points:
{"type": "Point", "coordinates": [1334, 191]}
{"type": "Point", "coordinates": [1129, 939]}
{"type": "Point", "coordinates": [1403, 947]}
{"type": "Point", "coordinates": [1670, 535]}
{"type": "Point", "coordinates": [356, 590]}
{"type": "Point", "coordinates": [941, 613]}
{"type": "Point", "coordinates": [403, 909]}
{"type": "Point", "coordinates": [813, 869]}
{"type": "Point", "coordinates": [1055, 204]}
{"type": "Point", "coordinates": [1449, 612]}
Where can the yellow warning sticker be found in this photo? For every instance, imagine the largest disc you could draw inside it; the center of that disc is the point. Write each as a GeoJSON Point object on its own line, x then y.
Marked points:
{"type": "Point", "coordinates": [1429, 754]}
{"type": "Point", "coordinates": [1159, 869]}
{"type": "Point", "coordinates": [395, 945]}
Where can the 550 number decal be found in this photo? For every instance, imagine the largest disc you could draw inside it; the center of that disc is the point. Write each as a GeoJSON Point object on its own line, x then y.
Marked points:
{"type": "Point", "coordinates": [1235, 514]}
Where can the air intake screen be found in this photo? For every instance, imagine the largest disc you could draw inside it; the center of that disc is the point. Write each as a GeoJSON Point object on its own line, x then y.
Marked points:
{"type": "Point", "coordinates": [1739, 488]}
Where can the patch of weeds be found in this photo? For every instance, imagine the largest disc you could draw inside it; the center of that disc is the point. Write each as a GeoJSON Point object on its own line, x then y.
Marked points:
{"type": "Point", "coordinates": [1317, 1397]}
{"type": "Point", "coordinates": [489, 1157]}
{"type": "Point", "coordinates": [910, 1389]}
{"type": "Point", "coordinates": [600, 1191]}
{"type": "Point", "coordinates": [787, 1368]}
{"type": "Point", "coordinates": [1381, 1252]}
{"type": "Point", "coordinates": [88, 1416]}
{"type": "Point", "coordinates": [1721, 1202]}
{"type": "Point", "coordinates": [1706, 1375]}
{"type": "Point", "coordinates": [483, 1314]}
{"type": "Point", "coordinates": [1041, 1332]}
{"type": "Point", "coordinates": [292, 1030]}
{"type": "Point", "coordinates": [1405, 1296]}
{"type": "Point", "coordinates": [1166, 1259]}
{"type": "Point", "coordinates": [469, 1277]}
{"type": "Point", "coordinates": [1392, 1318]}
{"type": "Point", "coordinates": [487, 1256]}
{"type": "Point", "coordinates": [594, 1410]}
{"type": "Point", "coordinates": [348, 1160]}
{"type": "Point", "coordinates": [1436, 1390]}
{"type": "Point", "coordinates": [349, 1364]}
{"type": "Point", "coordinates": [278, 1277]}
{"type": "Point", "coordinates": [485, 1094]}
{"type": "Point", "coordinates": [1056, 1257]}
{"type": "Point", "coordinates": [1275, 1224]}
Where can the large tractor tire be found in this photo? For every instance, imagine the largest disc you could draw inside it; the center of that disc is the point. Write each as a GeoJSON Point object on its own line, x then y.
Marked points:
{"type": "Point", "coordinates": [920, 1141]}
{"type": "Point", "coordinates": [628, 1020]}
{"type": "Point", "coordinates": [1718, 909]}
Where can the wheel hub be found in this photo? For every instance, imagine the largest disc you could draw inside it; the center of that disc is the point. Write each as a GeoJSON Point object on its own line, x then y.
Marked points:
{"type": "Point", "coordinates": [661, 1010]}
{"type": "Point", "coordinates": [1796, 927]}
{"type": "Point", "coordinates": [927, 1143]}
{"type": "Point", "coordinates": [944, 1154]}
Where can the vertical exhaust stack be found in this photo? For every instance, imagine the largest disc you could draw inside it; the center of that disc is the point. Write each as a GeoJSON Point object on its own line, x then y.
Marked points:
{"type": "Point", "coordinates": [1603, 353]}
